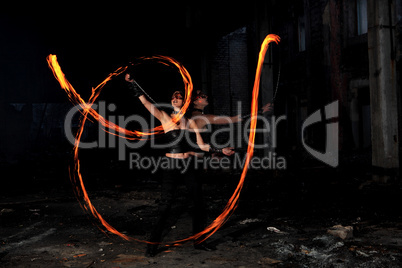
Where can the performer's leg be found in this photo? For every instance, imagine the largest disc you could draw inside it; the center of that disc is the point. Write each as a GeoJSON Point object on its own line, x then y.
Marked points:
{"type": "Point", "coordinates": [168, 191]}
{"type": "Point", "coordinates": [194, 187]}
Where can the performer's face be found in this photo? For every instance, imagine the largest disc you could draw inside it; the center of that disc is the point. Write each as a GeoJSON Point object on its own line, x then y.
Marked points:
{"type": "Point", "coordinates": [201, 99]}
{"type": "Point", "coordinates": [177, 99]}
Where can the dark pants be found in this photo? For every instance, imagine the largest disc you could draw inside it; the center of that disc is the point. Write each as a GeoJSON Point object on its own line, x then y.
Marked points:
{"type": "Point", "coordinates": [168, 211]}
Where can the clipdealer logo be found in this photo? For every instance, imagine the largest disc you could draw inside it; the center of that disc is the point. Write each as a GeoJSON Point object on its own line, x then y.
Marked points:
{"type": "Point", "coordinates": [206, 162]}
{"type": "Point", "coordinates": [331, 154]}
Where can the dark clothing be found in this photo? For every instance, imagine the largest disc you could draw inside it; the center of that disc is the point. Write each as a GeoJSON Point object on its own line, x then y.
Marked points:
{"type": "Point", "coordinates": [176, 140]}
{"type": "Point", "coordinates": [169, 213]}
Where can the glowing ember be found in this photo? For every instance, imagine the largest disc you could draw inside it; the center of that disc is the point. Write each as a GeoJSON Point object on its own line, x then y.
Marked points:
{"type": "Point", "coordinates": [75, 171]}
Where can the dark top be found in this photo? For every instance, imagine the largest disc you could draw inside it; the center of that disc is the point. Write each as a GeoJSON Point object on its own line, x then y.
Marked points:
{"type": "Point", "coordinates": [177, 141]}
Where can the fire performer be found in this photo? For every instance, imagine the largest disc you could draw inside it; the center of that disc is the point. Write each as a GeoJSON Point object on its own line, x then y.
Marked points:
{"type": "Point", "coordinates": [202, 120]}
{"type": "Point", "coordinates": [179, 151]}
{"type": "Point", "coordinates": [200, 101]}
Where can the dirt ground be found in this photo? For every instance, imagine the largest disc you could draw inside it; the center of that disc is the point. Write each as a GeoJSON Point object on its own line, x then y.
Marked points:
{"type": "Point", "coordinates": [282, 220]}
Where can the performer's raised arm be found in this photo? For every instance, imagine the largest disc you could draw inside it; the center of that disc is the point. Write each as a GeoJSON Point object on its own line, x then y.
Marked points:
{"type": "Point", "coordinates": [138, 93]}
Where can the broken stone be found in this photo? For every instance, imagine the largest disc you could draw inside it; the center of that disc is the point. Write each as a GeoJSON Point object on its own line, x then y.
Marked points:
{"type": "Point", "coordinates": [275, 230]}
{"type": "Point", "coordinates": [6, 210]}
{"type": "Point", "coordinates": [343, 232]}
{"type": "Point", "coordinates": [246, 221]}
{"type": "Point", "coordinates": [361, 253]}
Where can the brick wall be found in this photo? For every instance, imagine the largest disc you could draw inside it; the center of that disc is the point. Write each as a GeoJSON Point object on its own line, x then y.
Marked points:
{"type": "Point", "coordinates": [229, 73]}
{"type": "Point", "coordinates": [229, 77]}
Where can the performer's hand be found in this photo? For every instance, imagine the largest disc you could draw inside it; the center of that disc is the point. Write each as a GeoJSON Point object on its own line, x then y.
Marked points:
{"type": "Point", "coordinates": [127, 78]}
{"type": "Point", "coordinates": [239, 118]}
{"type": "Point", "coordinates": [137, 92]}
{"type": "Point", "coordinates": [228, 151]}
{"type": "Point", "coordinates": [267, 107]}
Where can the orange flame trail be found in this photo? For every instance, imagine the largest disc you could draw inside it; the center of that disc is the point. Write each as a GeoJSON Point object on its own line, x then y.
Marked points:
{"type": "Point", "coordinates": [232, 203]}
{"type": "Point", "coordinates": [75, 171]}
{"type": "Point", "coordinates": [128, 134]}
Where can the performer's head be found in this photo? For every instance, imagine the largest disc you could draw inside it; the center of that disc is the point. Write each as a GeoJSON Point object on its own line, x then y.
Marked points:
{"type": "Point", "coordinates": [199, 99]}
{"type": "Point", "coordinates": [177, 99]}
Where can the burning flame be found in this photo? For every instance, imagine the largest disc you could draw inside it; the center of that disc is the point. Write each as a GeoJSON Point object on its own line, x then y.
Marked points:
{"type": "Point", "coordinates": [87, 110]}
{"type": "Point", "coordinates": [232, 203]}
{"type": "Point", "coordinates": [117, 130]}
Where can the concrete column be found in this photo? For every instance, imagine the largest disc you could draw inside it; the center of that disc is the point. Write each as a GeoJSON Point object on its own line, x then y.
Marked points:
{"type": "Point", "coordinates": [383, 87]}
